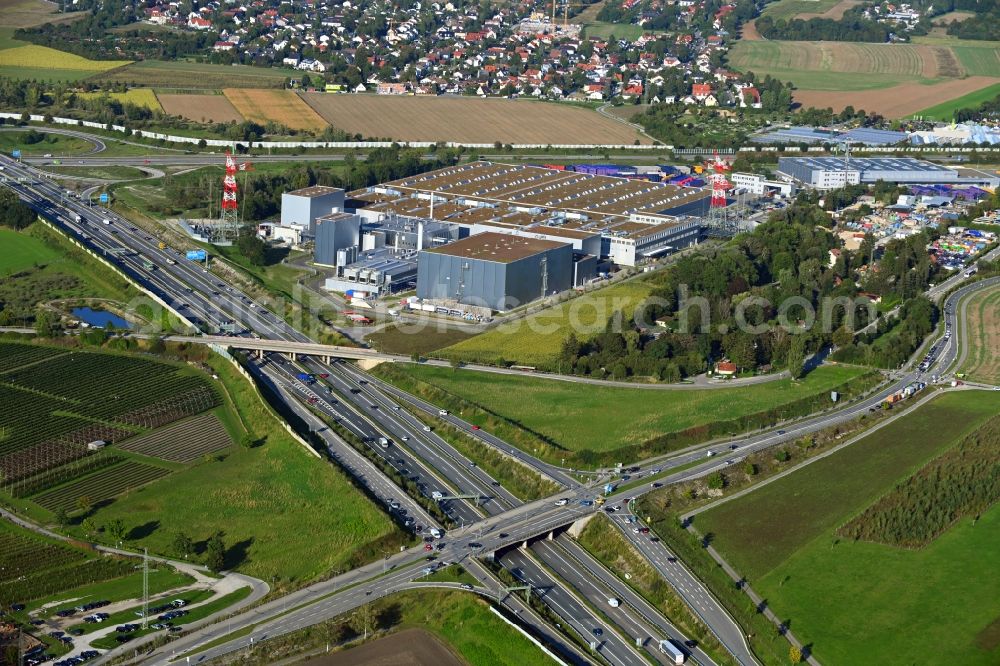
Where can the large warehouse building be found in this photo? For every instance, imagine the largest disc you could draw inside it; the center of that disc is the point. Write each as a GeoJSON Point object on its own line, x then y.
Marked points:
{"type": "Point", "coordinates": [827, 173]}
{"type": "Point", "coordinates": [302, 207]}
{"type": "Point", "coordinates": [632, 219]}
{"type": "Point", "coordinates": [496, 271]}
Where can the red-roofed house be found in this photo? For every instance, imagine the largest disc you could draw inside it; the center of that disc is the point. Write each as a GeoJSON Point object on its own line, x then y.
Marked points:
{"type": "Point", "coordinates": [749, 96]}
{"type": "Point", "coordinates": [700, 91]}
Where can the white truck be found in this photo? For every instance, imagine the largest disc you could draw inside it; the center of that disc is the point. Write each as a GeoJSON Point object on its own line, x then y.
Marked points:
{"type": "Point", "coordinates": [613, 602]}
{"type": "Point", "coordinates": [436, 533]}
{"type": "Point", "coordinates": [437, 495]}
{"type": "Point", "coordinates": [672, 651]}
{"type": "Point", "coordinates": [106, 221]}
{"type": "Point", "coordinates": [78, 219]}
{"type": "Point", "coordinates": [384, 442]}
{"type": "Point", "coordinates": [442, 412]}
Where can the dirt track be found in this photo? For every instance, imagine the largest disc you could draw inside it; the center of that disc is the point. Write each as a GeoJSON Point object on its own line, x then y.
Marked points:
{"type": "Point", "coordinates": [412, 647]}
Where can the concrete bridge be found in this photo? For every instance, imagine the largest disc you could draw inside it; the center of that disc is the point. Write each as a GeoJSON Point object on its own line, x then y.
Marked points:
{"type": "Point", "coordinates": [293, 349]}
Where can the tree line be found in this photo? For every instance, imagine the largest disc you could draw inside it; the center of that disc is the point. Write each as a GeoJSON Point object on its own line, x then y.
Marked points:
{"type": "Point", "coordinates": [851, 28]}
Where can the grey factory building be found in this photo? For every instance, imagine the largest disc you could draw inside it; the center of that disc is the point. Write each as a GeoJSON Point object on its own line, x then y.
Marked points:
{"type": "Point", "coordinates": [826, 173]}
{"type": "Point", "coordinates": [498, 271]}
{"type": "Point", "coordinates": [302, 207]}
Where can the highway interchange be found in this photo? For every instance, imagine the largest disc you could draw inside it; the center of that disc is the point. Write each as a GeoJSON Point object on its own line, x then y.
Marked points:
{"type": "Point", "coordinates": [565, 577]}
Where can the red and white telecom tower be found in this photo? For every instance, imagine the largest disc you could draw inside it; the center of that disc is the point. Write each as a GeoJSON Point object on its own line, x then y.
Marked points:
{"type": "Point", "coordinates": [717, 214]}
{"type": "Point", "coordinates": [227, 229]}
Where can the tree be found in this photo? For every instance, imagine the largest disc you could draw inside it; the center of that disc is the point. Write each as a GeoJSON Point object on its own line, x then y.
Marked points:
{"type": "Point", "coordinates": [183, 545]}
{"type": "Point", "coordinates": [794, 654]}
{"type": "Point", "coordinates": [88, 526]}
{"type": "Point", "coordinates": [797, 356]}
{"type": "Point", "coordinates": [750, 469]}
{"type": "Point", "coordinates": [716, 481]}
{"type": "Point", "coordinates": [157, 345]}
{"type": "Point", "coordinates": [116, 529]}
{"type": "Point", "coordinates": [45, 323]}
{"type": "Point", "coordinates": [13, 213]}
{"type": "Point", "coordinates": [215, 552]}
{"type": "Point", "coordinates": [61, 516]}
{"type": "Point", "coordinates": [843, 337]}
{"type": "Point", "coordinates": [84, 503]}
{"type": "Point", "coordinates": [252, 247]}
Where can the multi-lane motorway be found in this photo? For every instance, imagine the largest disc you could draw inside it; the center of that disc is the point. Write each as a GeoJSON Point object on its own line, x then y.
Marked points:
{"type": "Point", "coordinates": [495, 521]}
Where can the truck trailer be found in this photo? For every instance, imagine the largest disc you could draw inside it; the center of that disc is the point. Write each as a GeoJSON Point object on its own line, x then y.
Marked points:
{"type": "Point", "coordinates": [673, 652]}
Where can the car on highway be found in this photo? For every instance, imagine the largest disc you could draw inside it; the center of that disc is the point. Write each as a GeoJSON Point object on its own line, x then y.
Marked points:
{"type": "Point", "coordinates": [562, 502]}
{"type": "Point", "coordinates": [598, 631]}
{"type": "Point", "coordinates": [466, 586]}
{"type": "Point", "coordinates": [475, 427]}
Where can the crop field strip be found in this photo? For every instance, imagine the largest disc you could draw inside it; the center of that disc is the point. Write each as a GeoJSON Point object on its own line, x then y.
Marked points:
{"type": "Point", "coordinates": [279, 106]}
{"type": "Point", "coordinates": [200, 108]}
{"type": "Point", "coordinates": [468, 119]}
{"type": "Point", "coordinates": [183, 441]}
{"type": "Point", "coordinates": [101, 486]}
{"type": "Point", "coordinates": [35, 567]}
{"type": "Point", "coordinates": [15, 355]}
{"type": "Point", "coordinates": [183, 74]}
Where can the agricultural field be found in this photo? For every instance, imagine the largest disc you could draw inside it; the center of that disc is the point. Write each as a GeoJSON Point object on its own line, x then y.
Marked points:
{"type": "Point", "coordinates": [981, 332]}
{"type": "Point", "coordinates": [396, 339]}
{"type": "Point", "coordinates": [200, 108]}
{"type": "Point", "coordinates": [898, 79]}
{"type": "Point", "coordinates": [29, 13]}
{"type": "Point", "coordinates": [793, 557]}
{"type": "Point", "coordinates": [45, 64]}
{"type": "Point", "coordinates": [35, 566]}
{"type": "Point", "coordinates": [55, 406]}
{"type": "Point", "coordinates": [807, 9]}
{"type": "Point", "coordinates": [184, 75]}
{"type": "Point", "coordinates": [574, 418]}
{"type": "Point", "coordinates": [537, 339]}
{"type": "Point", "coordinates": [137, 96]}
{"type": "Point", "coordinates": [468, 119]}
{"type": "Point", "coordinates": [184, 441]}
{"type": "Point", "coordinates": [279, 106]}
{"type": "Point", "coordinates": [102, 486]}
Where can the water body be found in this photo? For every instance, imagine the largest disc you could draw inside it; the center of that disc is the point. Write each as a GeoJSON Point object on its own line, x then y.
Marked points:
{"type": "Point", "coordinates": [101, 318]}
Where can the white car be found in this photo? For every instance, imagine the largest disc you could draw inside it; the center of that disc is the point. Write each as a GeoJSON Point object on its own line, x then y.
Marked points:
{"type": "Point", "coordinates": [562, 502]}
{"type": "Point", "coordinates": [427, 428]}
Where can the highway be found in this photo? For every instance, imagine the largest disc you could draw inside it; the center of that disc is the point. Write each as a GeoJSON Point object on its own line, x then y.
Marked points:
{"type": "Point", "coordinates": [209, 303]}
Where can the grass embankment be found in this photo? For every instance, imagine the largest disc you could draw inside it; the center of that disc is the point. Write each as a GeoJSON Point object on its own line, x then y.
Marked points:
{"type": "Point", "coordinates": [401, 339]}
{"type": "Point", "coordinates": [462, 620]}
{"type": "Point", "coordinates": [563, 421]}
{"type": "Point", "coordinates": [106, 172]}
{"type": "Point", "coordinates": [982, 332]}
{"type": "Point", "coordinates": [608, 545]}
{"type": "Point", "coordinates": [537, 339]}
{"type": "Point", "coordinates": [55, 144]}
{"type": "Point", "coordinates": [453, 574]}
{"type": "Point", "coordinates": [275, 488]}
{"type": "Point", "coordinates": [783, 536]}
{"type": "Point", "coordinates": [523, 482]}
{"type": "Point", "coordinates": [39, 264]}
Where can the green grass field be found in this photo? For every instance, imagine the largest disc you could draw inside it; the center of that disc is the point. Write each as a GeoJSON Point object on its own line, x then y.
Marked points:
{"type": "Point", "coordinates": [604, 30]}
{"type": "Point", "coordinates": [537, 339]}
{"type": "Point", "coordinates": [56, 257]}
{"type": "Point", "coordinates": [21, 251]}
{"type": "Point", "coordinates": [105, 172]}
{"type": "Point", "coordinates": [983, 360]}
{"type": "Point", "coordinates": [395, 339]}
{"type": "Point", "coordinates": [789, 9]}
{"type": "Point", "coordinates": [582, 417]}
{"type": "Point", "coordinates": [55, 144]}
{"type": "Point", "coordinates": [946, 110]}
{"type": "Point", "coordinates": [782, 536]}
{"type": "Point", "coordinates": [254, 494]}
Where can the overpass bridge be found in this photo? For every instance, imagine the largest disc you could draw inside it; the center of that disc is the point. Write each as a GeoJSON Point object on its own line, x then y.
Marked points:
{"type": "Point", "coordinates": [293, 349]}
